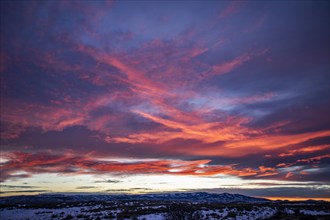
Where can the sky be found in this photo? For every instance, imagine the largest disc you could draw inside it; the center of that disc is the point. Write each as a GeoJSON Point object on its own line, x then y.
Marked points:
{"type": "Point", "coordinates": [165, 96]}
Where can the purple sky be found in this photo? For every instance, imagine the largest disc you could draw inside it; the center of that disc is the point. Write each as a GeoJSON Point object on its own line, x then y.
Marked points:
{"type": "Point", "coordinates": [123, 92]}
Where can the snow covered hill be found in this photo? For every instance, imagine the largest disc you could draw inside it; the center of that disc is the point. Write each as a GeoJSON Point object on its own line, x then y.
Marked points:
{"type": "Point", "coordinates": [192, 197]}
{"type": "Point", "coordinates": [156, 207]}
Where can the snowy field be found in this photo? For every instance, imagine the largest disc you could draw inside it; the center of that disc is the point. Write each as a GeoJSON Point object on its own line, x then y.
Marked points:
{"type": "Point", "coordinates": [159, 210]}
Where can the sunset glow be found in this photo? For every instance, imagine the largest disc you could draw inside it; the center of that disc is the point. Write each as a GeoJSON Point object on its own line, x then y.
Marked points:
{"type": "Point", "coordinates": [165, 96]}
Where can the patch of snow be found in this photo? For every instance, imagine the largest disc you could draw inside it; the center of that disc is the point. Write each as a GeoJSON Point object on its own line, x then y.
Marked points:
{"type": "Point", "coordinates": [288, 211]}
{"type": "Point", "coordinates": [152, 217]}
{"type": "Point", "coordinates": [313, 212]}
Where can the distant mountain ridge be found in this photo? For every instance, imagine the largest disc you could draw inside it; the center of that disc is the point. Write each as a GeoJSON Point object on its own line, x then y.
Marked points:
{"type": "Point", "coordinates": [187, 197]}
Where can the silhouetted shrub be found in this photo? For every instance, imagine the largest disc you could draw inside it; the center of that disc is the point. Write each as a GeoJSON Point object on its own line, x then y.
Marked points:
{"type": "Point", "coordinates": [182, 211]}
{"type": "Point", "coordinates": [307, 217]}
{"type": "Point", "coordinates": [232, 214]}
{"type": "Point", "coordinates": [81, 216]}
{"type": "Point", "coordinates": [68, 217]}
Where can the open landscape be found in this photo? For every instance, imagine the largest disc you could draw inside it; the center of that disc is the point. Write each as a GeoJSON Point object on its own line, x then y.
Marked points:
{"type": "Point", "coordinates": [172, 206]}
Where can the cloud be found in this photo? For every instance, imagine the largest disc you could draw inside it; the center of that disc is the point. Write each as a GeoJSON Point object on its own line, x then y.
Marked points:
{"type": "Point", "coordinates": [146, 189]}
{"type": "Point", "coordinates": [17, 186]}
{"type": "Point", "coordinates": [20, 165]}
{"type": "Point", "coordinates": [288, 175]}
{"type": "Point", "coordinates": [314, 159]}
{"type": "Point", "coordinates": [71, 164]}
{"type": "Point", "coordinates": [304, 150]}
{"type": "Point", "coordinates": [271, 184]}
{"type": "Point", "coordinates": [229, 66]}
{"type": "Point", "coordinates": [108, 181]}
{"type": "Point", "coordinates": [118, 190]}
{"type": "Point", "coordinates": [86, 187]}
{"type": "Point", "coordinates": [231, 8]}
{"type": "Point", "coordinates": [23, 191]}
{"type": "Point", "coordinates": [206, 90]}
{"type": "Point", "coordinates": [278, 141]}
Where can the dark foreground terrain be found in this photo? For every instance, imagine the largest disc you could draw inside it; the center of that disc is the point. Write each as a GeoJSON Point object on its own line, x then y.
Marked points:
{"type": "Point", "coordinates": [179, 206]}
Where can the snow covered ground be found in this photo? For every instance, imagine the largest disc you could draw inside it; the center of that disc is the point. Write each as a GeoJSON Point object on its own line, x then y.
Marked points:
{"type": "Point", "coordinates": [144, 210]}
{"type": "Point", "coordinates": [313, 212]}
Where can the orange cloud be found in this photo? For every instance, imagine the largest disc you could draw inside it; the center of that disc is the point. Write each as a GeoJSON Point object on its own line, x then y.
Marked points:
{"type": "Point", "coordinates": [267, 171]}
{"type": "Point", "coordinates": [314, 159]}
{"type": "Point", "coordinates": [231, 65]}
{"type": "Point", "coordinates": [206, 132]}
{"type": "Point", "coordinates": [277, 141]}
{"type": "Point", "coordinates": [310, 149]}
{"type": "Point", "coordinates": [288, 175]}
{"type": "Point", "coordinates": [281, 165]}
{"type": "Point", "coordinates": [71, 163]}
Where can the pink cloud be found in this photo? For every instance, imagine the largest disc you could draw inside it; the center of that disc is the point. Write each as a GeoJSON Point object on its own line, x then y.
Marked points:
{"type": "Point", "coordinates": [70, 163]}
{"type": "Point", "coordinates": [304, 150]}
{"type": "Point", "coordinates": [289, 175]}
{"type": "Point", "coordinates": [314, 159]}
{"type": "Point", "coordinates": [232, 8]}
